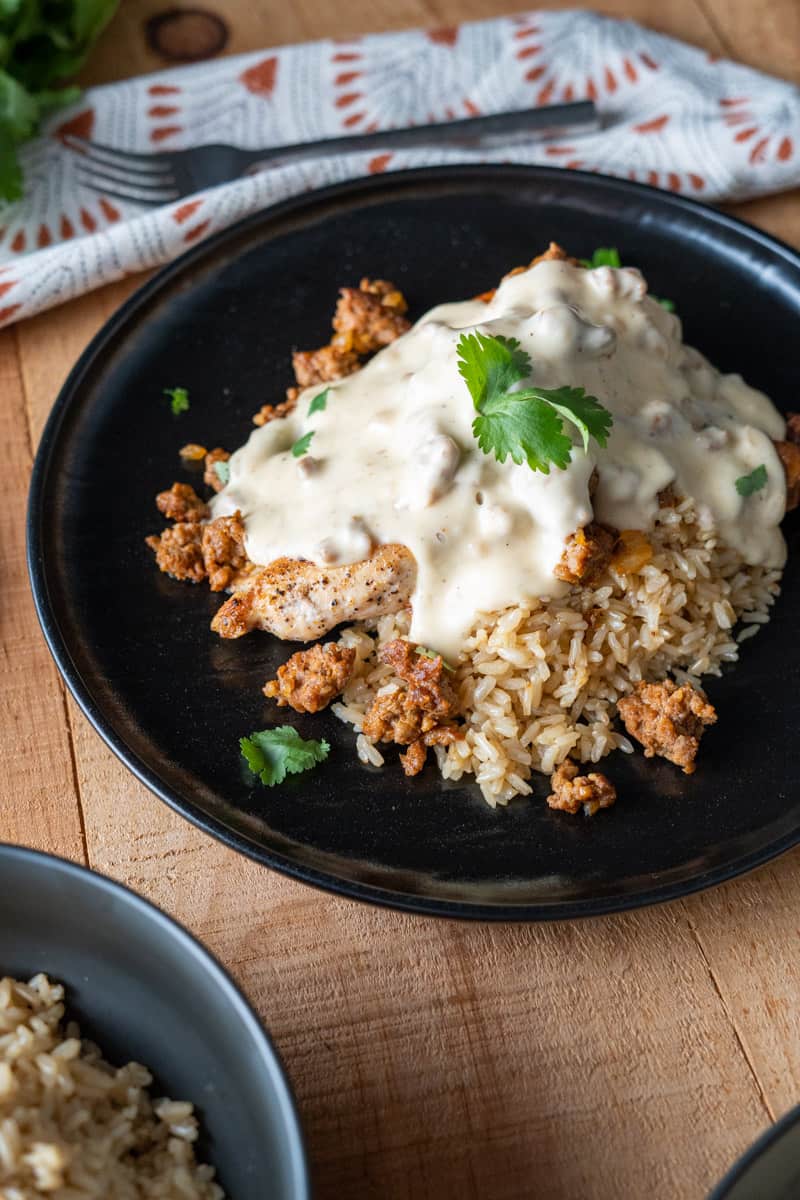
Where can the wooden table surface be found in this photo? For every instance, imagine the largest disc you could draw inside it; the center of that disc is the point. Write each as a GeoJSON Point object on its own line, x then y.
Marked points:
{"type": "Point", "coordinates": [632, 1056]}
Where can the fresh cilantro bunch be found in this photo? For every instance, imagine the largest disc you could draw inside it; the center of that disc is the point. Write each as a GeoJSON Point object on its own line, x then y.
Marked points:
{"type": "Point", "coordinates": [527, 424]}
{"type": "Point", "coordinates": [272, 754]}
{"type": "Point", "coordinates": [41, 43]}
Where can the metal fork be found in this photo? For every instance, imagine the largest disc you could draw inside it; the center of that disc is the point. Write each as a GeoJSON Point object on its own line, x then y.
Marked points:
{"type": "Point", "coordinates": [159, 178]}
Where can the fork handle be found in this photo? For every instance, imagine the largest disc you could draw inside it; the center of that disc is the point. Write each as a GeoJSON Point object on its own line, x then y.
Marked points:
{"type": "Point", "coordinates": [472, 132]}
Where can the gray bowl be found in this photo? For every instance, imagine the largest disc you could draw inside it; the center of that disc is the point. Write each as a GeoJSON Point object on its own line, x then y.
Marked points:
{"type": "Point", "coordinates": [144, 989]}
{"type": "Point", "coordinates": [770, 1169]}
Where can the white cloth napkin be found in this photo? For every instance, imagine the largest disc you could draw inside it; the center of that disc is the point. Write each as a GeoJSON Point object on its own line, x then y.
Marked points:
{"type": "Point", "coordinates": [674, 116]}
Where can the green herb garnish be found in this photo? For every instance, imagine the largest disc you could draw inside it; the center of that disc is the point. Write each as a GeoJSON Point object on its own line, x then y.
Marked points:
{"type": "Point", "coordinates": [178, 399]}
{"type": "Point", "coordinates": [302, 444]}
{"type": "Point", "coordinates": [319, 403]}
{"type": "Point", "coordinates": [604, 256]}
{"type": "Point", "coordinates": [426, 653]}
{"type": "Point", "coordinates": [41, 43]}
{"type": "Point", "coordinates": [754, 482]}
{"type": "Point", "coordinates": [272, 754]}
{"type": "Point", "coordinates": [526, 424]}
{"type": "Point", "coordinates": [223, 471]}
{"type": "Point", "coordinates": [669, 305]}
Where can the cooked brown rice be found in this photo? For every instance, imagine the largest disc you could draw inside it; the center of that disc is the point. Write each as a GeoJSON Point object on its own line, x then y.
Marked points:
{"type": "Point", "coordinates": [75, 1128]}
{"type": "Point", "coordinates": [540, 682]}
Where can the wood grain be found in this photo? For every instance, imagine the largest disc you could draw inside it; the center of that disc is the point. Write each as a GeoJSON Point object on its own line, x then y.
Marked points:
{"type": "Point", "coordinates": [634, 1056]}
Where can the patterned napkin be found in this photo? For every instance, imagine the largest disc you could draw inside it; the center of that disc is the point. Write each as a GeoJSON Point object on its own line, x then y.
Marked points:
{"type": "Point", "coordinates": [673, 116]}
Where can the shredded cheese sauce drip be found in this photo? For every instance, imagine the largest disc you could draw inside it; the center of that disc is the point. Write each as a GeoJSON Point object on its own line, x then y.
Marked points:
{"type": "Point", "coordinates": [393, 457]}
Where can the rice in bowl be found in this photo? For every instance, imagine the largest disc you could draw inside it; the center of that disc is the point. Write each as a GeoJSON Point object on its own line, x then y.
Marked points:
{"type": "Point", "coordinates": [539, 683]}
{"type": "Point", "coordinates": [76, 1128]}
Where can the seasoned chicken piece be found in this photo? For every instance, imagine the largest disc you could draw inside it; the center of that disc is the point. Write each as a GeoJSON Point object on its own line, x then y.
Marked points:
{"type": "Point", "coordinates": [181, 503]}
{"type": "Point", "coordinates": [310, 679]}
{"type": "Point", "coordinates": [300, 601]}
{"type": "Point", "coordinates": [586, 553]}
{"type": "Point", "coordinates": [572, 791]}
{"type": "Point", "coordinates": [668, 720]}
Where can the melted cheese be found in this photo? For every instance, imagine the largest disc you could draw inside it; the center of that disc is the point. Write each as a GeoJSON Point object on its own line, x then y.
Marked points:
{"type": "Point", "coordinates": [393, 457]}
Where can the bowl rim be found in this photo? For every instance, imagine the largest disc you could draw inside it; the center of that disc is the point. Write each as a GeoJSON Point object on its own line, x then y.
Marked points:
{"type": "Point", "coordinates": [271, 1062]}
{"type": "Point", "coordinates": [755, 1151]}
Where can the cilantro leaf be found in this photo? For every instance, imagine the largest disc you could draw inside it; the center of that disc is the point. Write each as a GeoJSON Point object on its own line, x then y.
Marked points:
{"type": "Point", "coordinates": [603, 256]}
{"type": "Point", "coordinates": [319, 403]}
{"type": "Point", "coordinates": [302, 444]}
{"type": "Point", "coordinates": [585, 412]}
{"type": "Point", "coordinates": [754, 482]}
{"type": "Point", "coordinates": [531, 433]}
{"type": "Point", "coordinates": [272, 754]}
{"type": "Point", "coordinates": [179, 400]}
{"type": "Point", "coordinates": [223, 471]}
{"type": "Point", "coordinates": [426, 653]}
{"type": "Point", "coordinates": [528, 424]}
{"type": "Point", "coordinates": [490, 364]}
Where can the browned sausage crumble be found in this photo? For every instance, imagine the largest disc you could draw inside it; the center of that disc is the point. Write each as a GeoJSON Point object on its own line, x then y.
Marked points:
{"type": "Point", "coordinates": [419, 715]}
{"type": "Point", "coordinates": [181, 503]}
{"type": "Point", "coordinates": [587, 552]}
{"type": "Point", "coordinates": [224, 554]}
{"type": "Point", "coordinates": [572, 791]}
{"type": "Point", "coordinates": [179, 552]}
{"type": "Point", "coordinates": [668, 720]}
{"type": "Point", "coordinates": [310, 679]}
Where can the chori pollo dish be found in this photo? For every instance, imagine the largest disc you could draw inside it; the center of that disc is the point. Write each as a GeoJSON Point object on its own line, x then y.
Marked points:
{"type": "Point", "coordinates": [539, 516]}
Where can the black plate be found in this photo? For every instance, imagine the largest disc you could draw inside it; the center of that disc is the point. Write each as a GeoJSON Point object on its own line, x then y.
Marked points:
{"type": "Point", "coordinates": [172, 699]}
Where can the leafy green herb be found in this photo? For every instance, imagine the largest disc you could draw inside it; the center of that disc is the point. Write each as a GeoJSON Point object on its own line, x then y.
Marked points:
{"type": "Point", "coordinates": [223, 471]}
{"type": "Point", "coordinates": [41, 43]}
{"type": "Point", "coordinates": [301, 445]}
{"type": "Point", "coordinates": [178, 397]}
{"type": "Point", "coordinates": [426, 653]}
{"type": "Point", "coordinates": [669, 305]}
{"type": "Point", "coordinates": [754, 482]}
{"type": "Point", "coordinates": [272, 754]}
{"type": "Point", "coordinates": [527, 424]}
{"type": "Point", "coordinates": [604, 256]}
{"type": "Point", "coordinates": [319, 403]}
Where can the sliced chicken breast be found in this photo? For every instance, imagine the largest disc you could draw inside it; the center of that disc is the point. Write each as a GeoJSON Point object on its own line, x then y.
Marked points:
{"type": "Point", "coordinates": [299, 601]}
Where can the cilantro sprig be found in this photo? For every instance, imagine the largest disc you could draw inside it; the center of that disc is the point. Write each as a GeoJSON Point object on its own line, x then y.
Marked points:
{"type": "Point", "coordinates": [272, 754]}
{"type": "Point", "coordinates": [178, 399]}
{"type": "Point", "coordinates": [319, 403]}
{"type": "Point", "coordinates": [754, 482]}
{"type": "Point", "coordinates": [527, 424]}
{"type": "Point", "coordinates": [301, 445]}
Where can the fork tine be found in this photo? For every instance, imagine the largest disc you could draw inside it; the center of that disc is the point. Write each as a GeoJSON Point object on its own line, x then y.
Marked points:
{"type": "Point", "coordinates": [124, 159]}
{"type": "Point", "coordinates": [131, 195]}
{"type": "Point", "coordinates": [115, 174]}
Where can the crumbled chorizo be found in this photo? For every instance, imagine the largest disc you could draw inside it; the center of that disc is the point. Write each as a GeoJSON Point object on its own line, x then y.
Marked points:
{"type": "Point", "coordinates": [391, 718]}
{"type": "Point", "coordinates": [414, 758]}
{"type": "Point", "coordinates": [192, 452]}
{"type": "Point", "coordinates": [586, 553]}
{"type": "Point", "coordinates": [210, 476]}
{"type": "Point", "coordinates": [789, 454]}
{"type": "Point", "coordinates": [310, 679]}
{"type": "Point", "coordinates": [178, 551]}
{"type": "Point", "coordinates": [224, 555]}
{"type": "Point", "coordinates": [426, 677]}
{"type": "Point", "coordinates": [668, 720]}
{"type": "Point", "coordinates": [182, 503]}
{"type": "Point", "coordinates": [367, 319]}
{"type": "Point", "coordinates": [572, 791]}
{"type": "Point", "coordinates": [325, 365]}
{"type": "Point", "coordinates": [793, 428]}
{"type": "Point", "coordinates": [274, 412]}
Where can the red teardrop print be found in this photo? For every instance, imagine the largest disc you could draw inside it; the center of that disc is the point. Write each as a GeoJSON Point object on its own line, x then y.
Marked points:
{"type": "Point", "coordinates": [193, 234]}
{"type": "Point", "coordinates": [108, 210]}
{"type": "Point", "coordinates": [6, 313]}
{"type": "Point", "coordinates": [80, 125]}
{"type": "Point", "coordinates": [185, 211]}
{"type": "Point", "coordinates": [535, 73]}
{"type": "Point", "coordinates": [88, 221]}
{"type": "Point", "coordinates": [66, 228]}
{"type": "Point", "coordinates": [44, 237]}
{"type": "Point", "coordinates": [162, 89]}
{"type": "Point", "coordinates": [260, 79]}
{"type": "Point", "coordinates": [785, 149]}
{"type": "Point", "coordinates": [7, 286]}
{"type": "Point", "coordinates": [446, 36]}
{"type": "Point", "coordinates": [379, 163]}
{"type": "Point", "coordinates": [162, 110]}
{"type": "Point", "coordinates": [652, 126]}
{"type": "Point", "coordinates": [19, 241]}
{"type": "Point", "coordinates": [164, 131]}
{"type": "Point", "coordinates": [347, 77]}
{"type": "Point", "coordinates": [348, 98]}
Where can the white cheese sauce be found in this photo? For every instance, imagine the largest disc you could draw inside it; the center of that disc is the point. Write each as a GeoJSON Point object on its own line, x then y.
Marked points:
{"type": "Point", "coordinates": [393, 457]}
